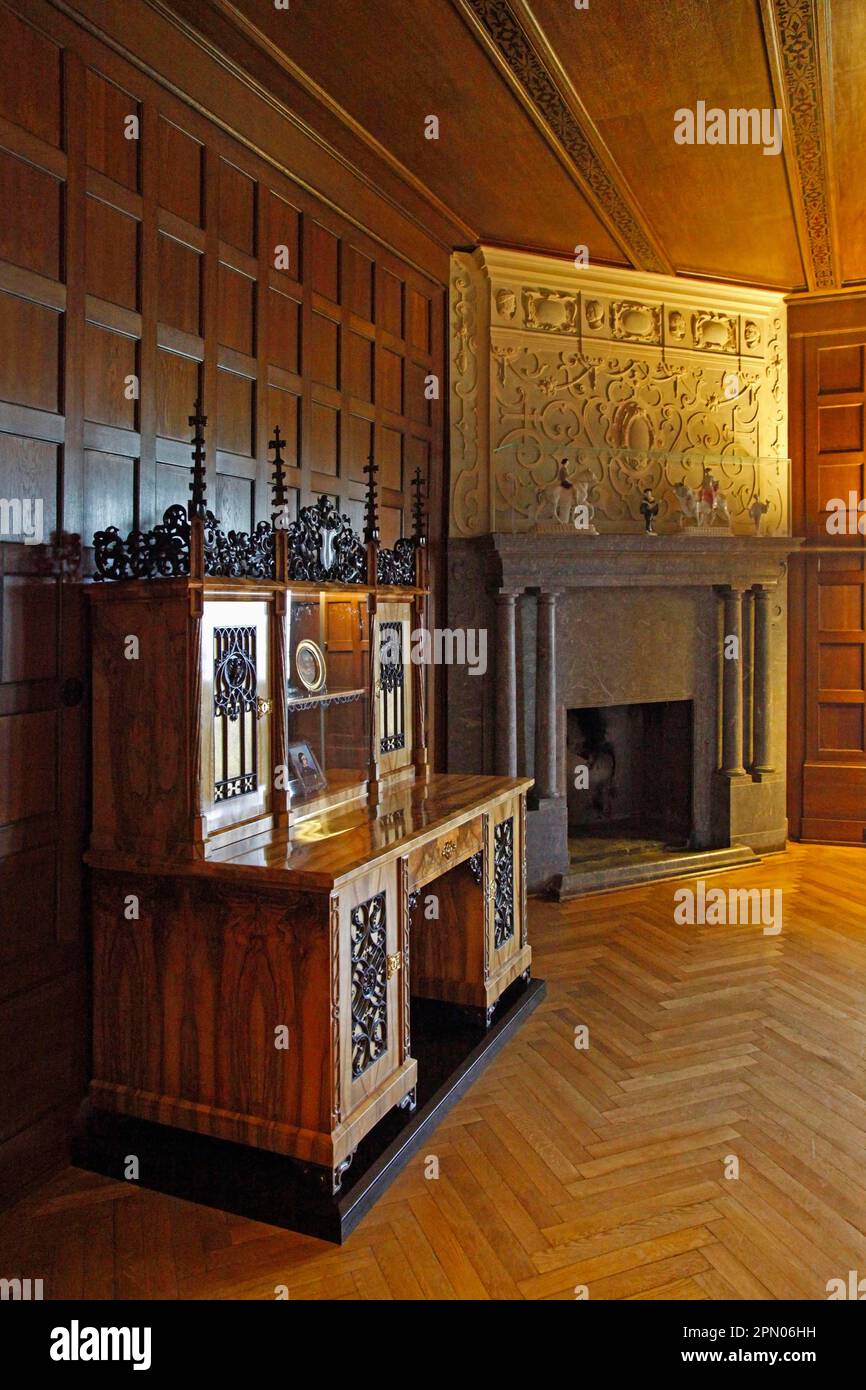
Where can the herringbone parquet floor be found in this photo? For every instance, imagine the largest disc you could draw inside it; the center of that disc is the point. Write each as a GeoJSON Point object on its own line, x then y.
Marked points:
{"type": "Point", "coordinates": [602, 1167]}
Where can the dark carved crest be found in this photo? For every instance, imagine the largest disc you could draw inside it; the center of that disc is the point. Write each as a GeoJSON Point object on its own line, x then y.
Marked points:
{"type": "Point", "coordinates": [397, 566]}
{"type": "Point", "coordinates": [164, 551]}
{"type": "Point", "coordinates": [237, 555]}
{"type": "Point", "coordinates": [323, 548]}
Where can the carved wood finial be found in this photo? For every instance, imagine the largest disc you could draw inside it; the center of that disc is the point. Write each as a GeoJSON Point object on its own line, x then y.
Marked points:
{"type": "Point", "coordinates": [418, 515]}
{"type": "Point", "coordinates": [279, 491]}
{"type": "Point", "coordinates": [198, 486]}
{"type": "Point", "coordinates": [371, 508]}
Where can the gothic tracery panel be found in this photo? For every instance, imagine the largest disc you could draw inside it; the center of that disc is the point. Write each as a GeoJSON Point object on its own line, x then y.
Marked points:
{"type": "Point", "coordinates": [368, 932]}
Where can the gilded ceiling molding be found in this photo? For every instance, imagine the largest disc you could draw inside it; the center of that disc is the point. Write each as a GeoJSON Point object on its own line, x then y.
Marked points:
{"type": "Point", "coordinates": [796, 31]}
{"type": "Point", "coordinates": [505, 34]}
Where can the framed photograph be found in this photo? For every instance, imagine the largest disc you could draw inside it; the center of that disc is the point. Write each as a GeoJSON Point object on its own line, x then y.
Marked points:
{"type": "Point", "coordinates": [310, 665]}
{"type": "Point", "coordinates": [305, 776]}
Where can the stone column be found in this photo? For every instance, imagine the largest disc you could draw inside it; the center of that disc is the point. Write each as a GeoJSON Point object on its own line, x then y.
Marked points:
{"type": "Point", "coordinates": [748, 665]}
{"type": "Point", "coordinates": [732, 686]}
{"type": "Point", "coordinates": [545, 698]}
{"type": "Point", "coordinates": [506, 684]}
{"type": "Point", "coordinates": [762, 765]}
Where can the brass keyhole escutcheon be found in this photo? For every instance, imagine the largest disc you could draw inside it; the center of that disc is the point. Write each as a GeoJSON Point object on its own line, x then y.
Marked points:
{"type": "Point", "coordinates": [263, 707]}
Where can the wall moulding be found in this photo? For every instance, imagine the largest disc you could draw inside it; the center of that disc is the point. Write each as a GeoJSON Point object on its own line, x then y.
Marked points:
{"type": "Point", "coordinates": [638, 380]}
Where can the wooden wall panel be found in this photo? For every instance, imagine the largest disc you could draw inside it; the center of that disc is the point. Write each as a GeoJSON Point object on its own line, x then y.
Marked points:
{"type": "Point", "coordinates": [145, 263]}
{"type": "Point", "coordinates": [827, 695]}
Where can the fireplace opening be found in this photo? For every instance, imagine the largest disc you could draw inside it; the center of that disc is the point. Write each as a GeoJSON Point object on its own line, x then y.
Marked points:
{"type": "Point", "coordinates": [630, 779]}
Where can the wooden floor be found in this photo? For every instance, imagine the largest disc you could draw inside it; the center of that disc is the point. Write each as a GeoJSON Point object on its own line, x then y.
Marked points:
{"type": "Point", "coordinates": [602, 1168]}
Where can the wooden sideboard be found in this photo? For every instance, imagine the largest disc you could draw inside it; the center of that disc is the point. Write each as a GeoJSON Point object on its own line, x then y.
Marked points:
{"type": "Point", "coordinates": [276, 872]}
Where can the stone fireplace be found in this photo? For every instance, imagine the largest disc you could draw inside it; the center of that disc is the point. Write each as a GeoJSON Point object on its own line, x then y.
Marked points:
{"type": "Point", "coordinates": [603, 385]}
{"type": "Point", "coordinates": [628, 776]}
{"type": "Point", "coordinates": [629, 634]}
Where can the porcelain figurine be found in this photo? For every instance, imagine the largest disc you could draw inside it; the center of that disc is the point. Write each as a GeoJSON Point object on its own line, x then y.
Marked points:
{"type": "Point", "coordinates": [649, 510]}
{"type": "Point", "coordinates": [757, 511]}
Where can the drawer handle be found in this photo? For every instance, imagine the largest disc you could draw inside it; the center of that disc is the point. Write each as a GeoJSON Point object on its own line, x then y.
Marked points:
{"type": "Point", "coordinates": [449, 849]}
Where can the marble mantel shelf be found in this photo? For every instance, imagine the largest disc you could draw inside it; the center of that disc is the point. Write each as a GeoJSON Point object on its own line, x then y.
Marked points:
{"type": "Point", "coordinates": [557, 562]}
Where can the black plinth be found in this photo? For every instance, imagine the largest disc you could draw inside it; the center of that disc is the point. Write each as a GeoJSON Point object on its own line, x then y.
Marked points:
{"type": "Point", "coordinates": [452, 1048]}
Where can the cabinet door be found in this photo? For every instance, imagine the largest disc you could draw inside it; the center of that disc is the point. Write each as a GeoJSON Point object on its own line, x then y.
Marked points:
{"type": "Point", "coordinates": [505, 857]}
{"type": "Point", "coordinates": [392, 677]}
{"type": "Point", "coordinates": [371, 1010]}
{"type": "Point", "coordinates": [236, 754]}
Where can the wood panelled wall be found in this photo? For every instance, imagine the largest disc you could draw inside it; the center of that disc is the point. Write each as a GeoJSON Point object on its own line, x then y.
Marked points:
{"type": "Point", "coordinates": [147, 257]}
{"type": "Point", "coordinates": [827, 667]}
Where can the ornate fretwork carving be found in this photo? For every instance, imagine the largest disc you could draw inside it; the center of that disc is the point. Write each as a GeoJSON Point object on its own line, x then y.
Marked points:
{"type": "Point", "coordinates": [323, 548]}
{"type": "Point", "coordinates": [391, 682]}
{"type": "Point", "coordinates": [336, 1045]}
{"type": "Point", "coordinates": [160, 553]}
{"type": "Point", "coordinates": [419, 516]}
{"type": "Point", "coordinates": [235, 699]}
{"type": "Point", "coordinates": [506, 33]}
{"type": "Point", "coordinates": [163, 552]}
{"type": "Point", "coordinates": [235, 682]}
{"type": "Point", "coordinates": [714, 332]}
{"type": "Point", "coordinates": [198, 485]}
{"type": "Point", "coordinates": [550, 310]}
{"type": "Point", "coordinates": [634, 322]}
{"type": "Point", "coordinates": [632, 422]}
{"type": "Point", "coordinates": [397, 566]}
{"type": "Point", "coordinates": [279, 491]}
{"type": "Point", "coordinates": [369, 983]}
{"type": "Point", "coordinates": [371, 504]}
{"type": "Point", "coordinates": [237, 555]}
{"type": "Point", "coordinates": [406, 943]}
{"type": "Point", "coordinates": [468, 421]}
{"type": "Point", "coordinates": [476, 867]}
{"type": "Point", "coordinates": [801, 74]}
{"type": "Point", "coordinates": [503, 882]}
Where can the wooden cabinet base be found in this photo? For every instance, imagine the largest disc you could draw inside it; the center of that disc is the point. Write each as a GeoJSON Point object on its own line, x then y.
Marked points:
{"type": "Point", "coordinates": [263, 997]}
{"type": "Point", "coordinates": [265, 1185]}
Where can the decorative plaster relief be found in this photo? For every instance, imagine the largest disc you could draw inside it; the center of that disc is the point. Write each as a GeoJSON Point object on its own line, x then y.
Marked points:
{"type": "Point", "coordinates": [506, 303]}
{"type": "Point", "coordinates": [627, 424]}
{"type": "Point", "coordinates": [641, 395]}
{"type": "Point", "coordinates": [468, 437]}
{"type": "Point", "coordinates": [593, 311]}
{"type": "Point", "coordinates": [550, 310]}
{"type": "Point", "coordinates": [633, 322]}
{"type": "Point", "coordinates": [714, 332]}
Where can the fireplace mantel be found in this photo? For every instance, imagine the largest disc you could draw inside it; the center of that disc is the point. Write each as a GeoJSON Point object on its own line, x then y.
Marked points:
{"type": "Point", "coordinates": [599, 621]}
{"type": "Point", "coordinates": [568, 561]}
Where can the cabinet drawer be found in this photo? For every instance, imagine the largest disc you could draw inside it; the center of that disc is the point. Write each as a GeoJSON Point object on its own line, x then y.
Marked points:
{"type": "Point", "coordinates": [448, 849]}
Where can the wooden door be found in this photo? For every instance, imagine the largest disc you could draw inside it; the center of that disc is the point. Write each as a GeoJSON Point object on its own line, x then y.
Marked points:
{"type": "Point", "coordinates": [831, 703]}
{"type": "Point", "coordinates": [43, 701]}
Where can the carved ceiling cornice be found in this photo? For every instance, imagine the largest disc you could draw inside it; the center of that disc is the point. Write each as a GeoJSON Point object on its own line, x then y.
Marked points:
{"type": "Point", "coordinates": [544, 89]}
{"type": "Point", "coordinates": [796, 33]}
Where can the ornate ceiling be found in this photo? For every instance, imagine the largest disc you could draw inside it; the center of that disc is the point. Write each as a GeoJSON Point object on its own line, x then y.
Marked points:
{"type": "Point", "coordinates": [556, 123]}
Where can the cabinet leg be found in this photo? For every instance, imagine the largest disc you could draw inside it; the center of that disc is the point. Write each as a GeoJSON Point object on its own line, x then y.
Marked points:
{"type": "Point", "coordinates": [329, 1180]}
{"type": "Point", "coordinates": [409, 1101]}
